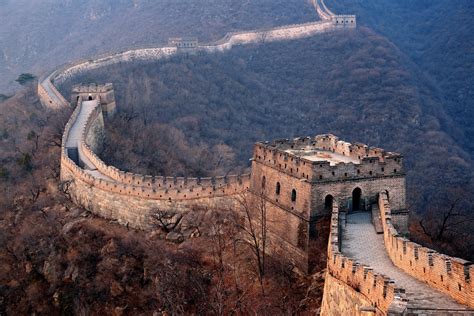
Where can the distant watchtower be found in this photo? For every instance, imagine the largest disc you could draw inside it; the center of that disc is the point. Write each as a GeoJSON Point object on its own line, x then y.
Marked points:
{"type": "Point", "coordinates": [301, 179]}
{"type": "Point", "coordinates": [183, 44]}
{"type": "Point", "coordinates": [103, 93]}
{"type": "Point", "coordinates": [345, 21]}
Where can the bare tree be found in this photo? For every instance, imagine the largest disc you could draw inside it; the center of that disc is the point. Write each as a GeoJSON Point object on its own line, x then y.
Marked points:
{"type": "Point", "coordinates": [254, 227]}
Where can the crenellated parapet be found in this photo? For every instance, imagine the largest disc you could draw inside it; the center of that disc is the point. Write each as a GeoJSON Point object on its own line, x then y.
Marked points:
{"type": "Point", "coordinates": [113, 180]}
{"type": "Point", "coordinates": [453, 276]}
{"type": "Point", "coordinates": [326, 158]}
{"type": "Point", "coordinates": [131, 199]}
{"type": "Point", "coordinates": [382, 293]}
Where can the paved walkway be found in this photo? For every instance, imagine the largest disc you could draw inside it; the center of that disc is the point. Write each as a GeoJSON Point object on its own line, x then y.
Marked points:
{"type": "Point", "coordinates": [74, 137]}
{"type": "Point", "coordinates": [361, 242]}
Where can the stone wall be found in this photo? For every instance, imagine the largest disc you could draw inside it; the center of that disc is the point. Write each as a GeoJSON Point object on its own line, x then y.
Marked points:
{"type": "Point", "coordinates": [370, 188]}
{"type": "Point", "coordinates": [341, 299]}
{"type": "Point", "coordinates": [453, 276]}
{"type": "Point", "coordinates": [94, 131]}
{"type": "Point", "coordinates": [376, 291]}
{"type": "Point", "coordinates": [134, 211]}
{"type": "Point", "coordinates": [129, 198]}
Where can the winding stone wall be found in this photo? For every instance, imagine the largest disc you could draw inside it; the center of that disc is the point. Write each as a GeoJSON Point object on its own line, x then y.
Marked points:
{"type": "Point", "coordinates": [453, 276]}
{"type": "Point", "coordinates": [105, 189]}
{"type": "Point", "coordinates": [350, 288]}
{"type": "Point", "coordinates": [377, 291]}
{"type": "Point", "coordinates": [133, 199]}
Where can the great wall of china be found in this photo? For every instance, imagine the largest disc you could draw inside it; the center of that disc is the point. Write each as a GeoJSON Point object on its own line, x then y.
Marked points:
{"type": "Point", "coordinates": [302, 181]}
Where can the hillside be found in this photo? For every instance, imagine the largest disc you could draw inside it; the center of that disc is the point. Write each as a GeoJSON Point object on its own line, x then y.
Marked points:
{"type": "Point", "coordinates": [36, 36]}
{"type": "Point", "coordinates": [438, 36]}
{"type": "Point", "coordinates": [222, 103]}
{"type": "Point", "coordinates": [58, 259]}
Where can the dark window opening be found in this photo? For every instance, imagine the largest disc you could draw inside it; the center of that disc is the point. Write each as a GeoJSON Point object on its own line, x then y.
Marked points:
{"type": "Point", "coordinates": [90, 98]}
{"type": "Point", "coordinates": [278, 188]}
{"type": "Point", "coordinates": [263, 182]}
{"type": "Point", "coordinates": [293, 195]}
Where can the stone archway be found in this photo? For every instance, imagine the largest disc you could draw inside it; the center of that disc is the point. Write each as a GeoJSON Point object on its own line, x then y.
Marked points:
{"type": "Point", "coordinates": [356, 200]}
{"type": "Point", "coordinates": [328, 203]}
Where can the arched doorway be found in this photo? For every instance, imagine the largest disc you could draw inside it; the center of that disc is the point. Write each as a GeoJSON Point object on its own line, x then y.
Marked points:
{"type": "Point", "coordinates": [90, 98]}
{"type": "Point", "coordinates": [328, 202]}
{"type": "Point", "coordinates": [356, 199]}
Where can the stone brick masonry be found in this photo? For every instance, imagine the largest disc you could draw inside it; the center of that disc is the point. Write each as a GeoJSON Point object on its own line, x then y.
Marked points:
{"type": "Point", "coordinates": [301, 182]}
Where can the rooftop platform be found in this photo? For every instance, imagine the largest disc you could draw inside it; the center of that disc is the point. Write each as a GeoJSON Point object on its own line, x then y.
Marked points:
{"type": "Point", "coordinates": [313, 154]}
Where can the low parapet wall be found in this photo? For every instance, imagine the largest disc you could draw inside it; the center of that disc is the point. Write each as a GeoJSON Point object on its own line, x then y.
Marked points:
{"type": "Point", "coordinates": [378, 290]}
{"type": "Point", "coordinates": [158, 188]}
{"type": "Point", "coordinates": [133, 199]}
{"type": "Point", "coordinates": [453, 276]}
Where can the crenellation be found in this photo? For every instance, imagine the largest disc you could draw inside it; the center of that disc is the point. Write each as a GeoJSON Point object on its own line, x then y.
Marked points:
{"type": "Point", "coordinates": [378, 290]}
{"type": "Point", "coordinates": [299, 180]}
{"type": "Point", "coordinates": [442, 272]}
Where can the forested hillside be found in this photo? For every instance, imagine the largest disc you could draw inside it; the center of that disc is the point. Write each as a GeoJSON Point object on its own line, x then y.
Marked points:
{"type": "Point", "coordinates": [438, 36]}
{"type": "Point", "coordinates": [354, 84]}
{"type": "Point", "coordinates": [37, 36]}
{"type": "Point", "coordinates": [58, 259]}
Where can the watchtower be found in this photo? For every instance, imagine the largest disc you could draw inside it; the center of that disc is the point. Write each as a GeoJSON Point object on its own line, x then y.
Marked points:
{"type": "Point", "coordinates": [345, 21]}
{"type": "Point", "coordinates": [104, 93]}
{"type": "Point", "coordinates": [183, 44]}
{"type": "Point", "coordinates": [300, 179]}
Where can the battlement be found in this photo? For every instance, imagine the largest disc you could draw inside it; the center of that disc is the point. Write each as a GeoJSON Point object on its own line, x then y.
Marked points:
{"type": "Point", "coordinates": [326, 158]}
{"type": "Point", "coordinates": [381, 292]}
{"type": "Point", "coordinates": [151, 187]}
{"type": "Point", "coordinates": [453, 276]}
{"type": "Point", "coordinates": [92, 88]}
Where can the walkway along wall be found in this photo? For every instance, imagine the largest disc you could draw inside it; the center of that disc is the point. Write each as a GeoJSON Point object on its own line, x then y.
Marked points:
{"type": "Point", "coordinates": [453, 276]}
{"type": "Point", "coordinates": [351, 288]}
{"type": "Point", "coordinates": [130, 198]}
{"type": "Point", "coordinates": [50, 96]}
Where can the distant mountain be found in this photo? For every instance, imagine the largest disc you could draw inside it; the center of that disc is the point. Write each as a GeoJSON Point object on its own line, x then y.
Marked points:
{"type": "Point", "coordinates": [40, 35]}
